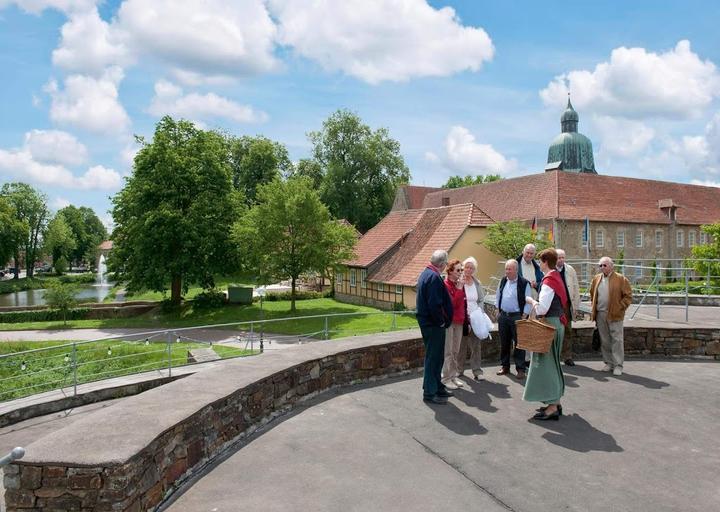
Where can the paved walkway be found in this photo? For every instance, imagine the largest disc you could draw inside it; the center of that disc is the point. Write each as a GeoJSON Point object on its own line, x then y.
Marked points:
{"type": "Point", "coordinates": [646, 441]}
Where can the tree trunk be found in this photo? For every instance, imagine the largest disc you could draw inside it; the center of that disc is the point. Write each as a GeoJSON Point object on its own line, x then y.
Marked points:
{"type": "Point", "coordinates": [17, 266]}
{"type": "Point", "coordinates": [175, 289]}
{"type": "Point", "coordinates": [292, 294]}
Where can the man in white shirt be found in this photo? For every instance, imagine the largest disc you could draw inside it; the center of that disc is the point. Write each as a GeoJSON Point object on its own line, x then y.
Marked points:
{"type": "Point", "coordinates": [510, 304]}
{"type": "Point", "coordinates": [572, 289]}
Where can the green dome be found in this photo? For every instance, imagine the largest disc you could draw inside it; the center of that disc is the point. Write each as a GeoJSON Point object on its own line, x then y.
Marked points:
{"type": "Point", "coordinates": [571, 151]}
{"type": "Point", "coordinates": [574, 151]}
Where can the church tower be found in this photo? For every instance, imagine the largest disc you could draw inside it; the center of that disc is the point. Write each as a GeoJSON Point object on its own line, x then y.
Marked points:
{"type": "Point", "coordinates": [571, 151]}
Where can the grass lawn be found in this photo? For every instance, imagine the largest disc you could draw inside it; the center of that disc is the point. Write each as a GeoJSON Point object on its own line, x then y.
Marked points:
{"type": "Point", "coordinates": [52, 368]}
{"type": "Point", "coordinates": [189, 316]}
{"type": "Point", "coordinates": [221, 283]}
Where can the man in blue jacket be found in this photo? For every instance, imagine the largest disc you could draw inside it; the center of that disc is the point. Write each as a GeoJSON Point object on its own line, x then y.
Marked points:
{"type": "Point", "coordinates": [434, 314]}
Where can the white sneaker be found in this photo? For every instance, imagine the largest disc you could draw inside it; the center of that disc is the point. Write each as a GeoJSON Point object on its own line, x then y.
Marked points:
{"type": "Point", "coordinates": [458, 382]}
{"type": "Point", "coordinates": [478, 374]}
{"type": "Point", "coordinates": [607, 368]}
{"type": "Point", "coordinates": [617, 371]}
{"type": "Point", "coordinates": [450, 384]}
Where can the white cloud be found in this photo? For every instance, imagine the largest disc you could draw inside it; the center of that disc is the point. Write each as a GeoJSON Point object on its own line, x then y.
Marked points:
{"type": "Point", "coordinates": [622, 137]}
{"type": "Point", "coordinates": [37, 6]}
{"type": "Point", "coordinates": [213, 37]}
{"type": "Point", "coordinates": [88, 45]}
{"type": "Point", "coordinates": [59, 203]}
{"type": "Point", "coordinates": [169, 99]}
{"type": "Point", "coordinates": [464, 155]}
{"type": "Point", "coordinates": [89, 103]}
{"type": "Point", "coordinates": [20, 163]}
{"type": "Point", "coordinates": [706, 183]}
{"type": "Point", "coordinates": [636, 83]}
{"type": "Point", "coordinates": [55, 147]}
{"type": "Point", "coordinates": [382, 40]}
{"type": "Point", "coordinates": [99, 177]}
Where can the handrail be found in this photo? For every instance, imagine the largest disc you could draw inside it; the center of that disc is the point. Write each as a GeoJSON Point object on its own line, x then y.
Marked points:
{"type": "Point", "coordinates": [15, 454]}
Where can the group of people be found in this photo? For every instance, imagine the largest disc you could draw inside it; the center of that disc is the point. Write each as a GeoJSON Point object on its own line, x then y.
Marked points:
{"type": "Point", "coordinates": [546, 287]}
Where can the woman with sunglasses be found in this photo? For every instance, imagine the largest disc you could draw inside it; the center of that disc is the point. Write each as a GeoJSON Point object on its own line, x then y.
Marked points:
{"type": "Point", "coordinates": [453, 334]}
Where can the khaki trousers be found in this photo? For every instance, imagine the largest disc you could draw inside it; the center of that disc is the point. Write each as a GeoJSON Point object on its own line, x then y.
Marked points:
{"type": "Point", "coordinates": [473, 342]}
{"type": "Point", "coordinates": [611, 340]}
{"type": "Point", "coordinates": [453, 338]}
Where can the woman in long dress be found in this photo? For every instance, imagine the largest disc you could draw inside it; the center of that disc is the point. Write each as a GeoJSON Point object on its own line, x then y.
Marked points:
{"type": "Point", "coordinates": [545, 381]}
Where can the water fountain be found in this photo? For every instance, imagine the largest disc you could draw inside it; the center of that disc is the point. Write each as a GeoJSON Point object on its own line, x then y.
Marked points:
{"type": "Point", "coordinates": [101, 272]}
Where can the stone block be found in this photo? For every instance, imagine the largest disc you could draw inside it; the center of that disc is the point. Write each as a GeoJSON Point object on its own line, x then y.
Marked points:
{"type": "Point", "coordinates": [19, 499]}
{"type": "Point", "coordinates": [175, 471]}
{"type": "Point", "coordinates": [713, 349]}
{"type": "Point", "coordinates": [54, 471]}
{"type": "Point", "coordinates": [11, 481]}
{"type": "Point", "coordinates": [84, 482]}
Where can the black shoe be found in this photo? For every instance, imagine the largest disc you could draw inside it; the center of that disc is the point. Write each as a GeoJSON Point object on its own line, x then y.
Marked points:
{"type": "Point", "coordinates": [569, 362]}
{"type": "Point", "coordinates": [542, 409]}
{"type": "Point", "coordinates": [445, 393]}
{"type": "Point", "coordinates": [435, 399]}
{"type": "Point", "coordinates": [544, 417]}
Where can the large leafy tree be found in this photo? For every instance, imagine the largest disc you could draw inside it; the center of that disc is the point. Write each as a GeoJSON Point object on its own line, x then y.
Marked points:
{"type": "Point", "coordinates": [59, 240]}
{"type": "Point", "coordinates": [361, 169]}
{"type": "Point", "coordinates": [508, 239]}
{"type": "Point", "coordinates": [255, 161]}
{"type": "Point", "coordinates": [467, 181]}
{"type": "Point", "coordinates": [12, 231]}
{"type": "Point", "coordinates": [290, 232]}
{"type": "Point", "coordinates": [708, 251]}
{"type": "Point", "coordinates": [174, 215]}
{"type": "Point", "coordinates": [31, 209]}
{"type": "Point", "coordinates": [88, 231]}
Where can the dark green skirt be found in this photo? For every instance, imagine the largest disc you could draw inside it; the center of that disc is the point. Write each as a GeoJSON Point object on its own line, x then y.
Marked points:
{"type": "Point", "coordinates": [545, 382]}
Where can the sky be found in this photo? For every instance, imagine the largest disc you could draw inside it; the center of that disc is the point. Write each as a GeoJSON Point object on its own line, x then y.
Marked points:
{"type": "Point", "coordinates": [466, 87]}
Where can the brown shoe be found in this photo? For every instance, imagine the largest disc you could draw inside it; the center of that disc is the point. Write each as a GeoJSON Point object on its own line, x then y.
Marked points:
{"type": "Point", "coordinates": [503, 371]}
{"type": "Point", "coordinates": [520, 375]}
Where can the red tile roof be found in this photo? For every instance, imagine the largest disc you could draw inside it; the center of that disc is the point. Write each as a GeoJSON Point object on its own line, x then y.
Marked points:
{"type": "Point", "coordinates": [106, 245]}
{"type": "Point", "coordinates": [566, 195]}
{"type": "Point", "coordinates": [400, 246]}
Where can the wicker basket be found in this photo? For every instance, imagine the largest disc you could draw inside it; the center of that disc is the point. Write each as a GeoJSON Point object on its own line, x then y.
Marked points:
{"type": "Point", "coordinates": [534, 335]}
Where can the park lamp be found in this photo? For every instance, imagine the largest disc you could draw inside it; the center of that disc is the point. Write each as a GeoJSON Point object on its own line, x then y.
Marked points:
{"type": "Point", "coordinates": [261, 291]}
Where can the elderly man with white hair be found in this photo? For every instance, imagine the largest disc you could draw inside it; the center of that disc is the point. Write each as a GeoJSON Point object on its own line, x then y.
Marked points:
{"type": "Point", "coordinates": [529, 269]}
{"type": "Point", "coordinates": [572, 290]}
{"type": "Point", "coordinates": [611, 295]}
{"type": "Point", "coordinates": [511, 305]}
{"type": "Point", "coordinates": [434, 313]}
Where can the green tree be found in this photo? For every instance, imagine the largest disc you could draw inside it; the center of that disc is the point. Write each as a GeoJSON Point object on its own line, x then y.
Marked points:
{"type": "Point", "coordinates": [290, 232]}
{"type": "Point", "coordinates": [174, 214]}
{"type": "Point", "coordinates": [88, 231]}
{"type": "Point", "coordinates": [467, 181]}
{"type": "Point", "coordinates": [311, 169]}
{"type": "Point", "coordinates": [12, 231]}
{"type": "Point", "coordinates": [708, 251]}
{"type": "Point", "coordinates": [508, 239]}
{"type": "Point", "coordinates": [31, 209]}
{"type": "Point", "coordinates": [61, 297]}
{"type": "Point", "coordinates": [59, 240]}
{"type": "Point", "coordinates": [255, 161]}
{"type": "Point", "coordinates": [362, 169]}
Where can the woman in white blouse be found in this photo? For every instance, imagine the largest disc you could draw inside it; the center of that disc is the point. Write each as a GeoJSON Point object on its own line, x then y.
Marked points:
{"type": "Point", "coordinates": [545, 381]}
{"type": "Point", "coordinates": [475, 295]}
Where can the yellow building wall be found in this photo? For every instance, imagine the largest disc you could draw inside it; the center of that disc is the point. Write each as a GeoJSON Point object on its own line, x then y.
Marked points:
{"type": "Point", "coordinates": [487, 261]}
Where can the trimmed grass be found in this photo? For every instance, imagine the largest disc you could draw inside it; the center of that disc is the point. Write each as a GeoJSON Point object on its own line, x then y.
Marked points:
{"type": "Point", "coordinates": [52, 368]}
{"type": "Point", "coordinates": [188, 316]}
{"type": "Point", "coordinates": [221, 283]}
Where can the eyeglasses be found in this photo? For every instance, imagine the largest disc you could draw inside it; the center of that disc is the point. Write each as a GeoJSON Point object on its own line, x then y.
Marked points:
{"type": "Point", "coordinates": [603, 265]}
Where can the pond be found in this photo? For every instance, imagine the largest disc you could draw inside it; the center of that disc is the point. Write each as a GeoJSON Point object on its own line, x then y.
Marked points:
{"type": "Point", "coordinates": [87, 293]}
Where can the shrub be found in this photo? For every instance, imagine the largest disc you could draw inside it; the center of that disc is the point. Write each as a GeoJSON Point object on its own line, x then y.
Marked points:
{"type": "Point", "coordinates": [61, 265]}
{"type": "Point", "coordinates": [273, 297]}
{"type": "Point", "coordinates": [212, 298]}
{"type": "Point", "coordinates": [61, 297]}
{"type": "Point", "coordinates": [43, 315]}
{"type": "Point", "coordinates": [399, 306]}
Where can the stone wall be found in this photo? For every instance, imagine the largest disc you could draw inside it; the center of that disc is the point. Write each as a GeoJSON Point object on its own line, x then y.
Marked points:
{"type": "Point", "coordinates": [171, 433]}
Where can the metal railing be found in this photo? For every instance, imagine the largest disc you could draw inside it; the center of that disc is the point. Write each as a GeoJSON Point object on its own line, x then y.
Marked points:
{"type": "Point", "coordinates": [17, 453]}
{"type": "Point", "coordinates": [66, 366]}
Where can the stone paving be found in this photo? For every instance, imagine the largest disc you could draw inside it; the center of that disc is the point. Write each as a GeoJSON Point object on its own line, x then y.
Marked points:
{"type": "Point", "coordinates": [645, 441]}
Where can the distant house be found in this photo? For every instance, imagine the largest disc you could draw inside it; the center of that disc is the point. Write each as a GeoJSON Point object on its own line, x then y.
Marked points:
{"type": "Point", "coordinates": [391, 255]}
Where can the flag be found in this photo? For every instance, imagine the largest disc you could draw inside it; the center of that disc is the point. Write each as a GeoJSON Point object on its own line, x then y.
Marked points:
{"type": "Point", "coordinates": [551, 233]}
{"type": "Point", "coordinates": [533, 227]}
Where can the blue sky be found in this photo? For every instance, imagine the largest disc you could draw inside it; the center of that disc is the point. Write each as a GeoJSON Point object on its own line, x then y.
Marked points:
{"type": "Point", "coordinates": [467, 87]}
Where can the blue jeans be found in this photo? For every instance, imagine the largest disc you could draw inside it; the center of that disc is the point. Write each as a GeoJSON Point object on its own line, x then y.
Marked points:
{"type": "Point", "coordinates": [434, 341]}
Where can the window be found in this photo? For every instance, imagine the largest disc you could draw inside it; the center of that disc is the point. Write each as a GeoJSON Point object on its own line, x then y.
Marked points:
{"type": "Point", "coordinates": [691, 238]}
{"type": "Point", "coordinates": [398, 289]}
{"type": "Point", "coordinates": [583, 238]}
{"type": "Point", "coordinates": [639, 238]}
{"type": "Point", "coordinates": [658, 238]}
{"type": "Point", "coordinates": [638, 269]}
{"type": "Point", "coordinates": [621, 238]}
{"type": "Point", "coordinates": [381, 287]}
{"type": "Point", "coordinates": [363, 278]}
{"type": "Point", "coordinates": [680, 238]}
{"type": "Point", "coordinates": [703, 238]}
{"type": "Point", "coordinates": [599, 238]}
{"type": "Point", "coordinates": [353, 278]}
{"type": "Point", "coordinates": [339, 280]}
